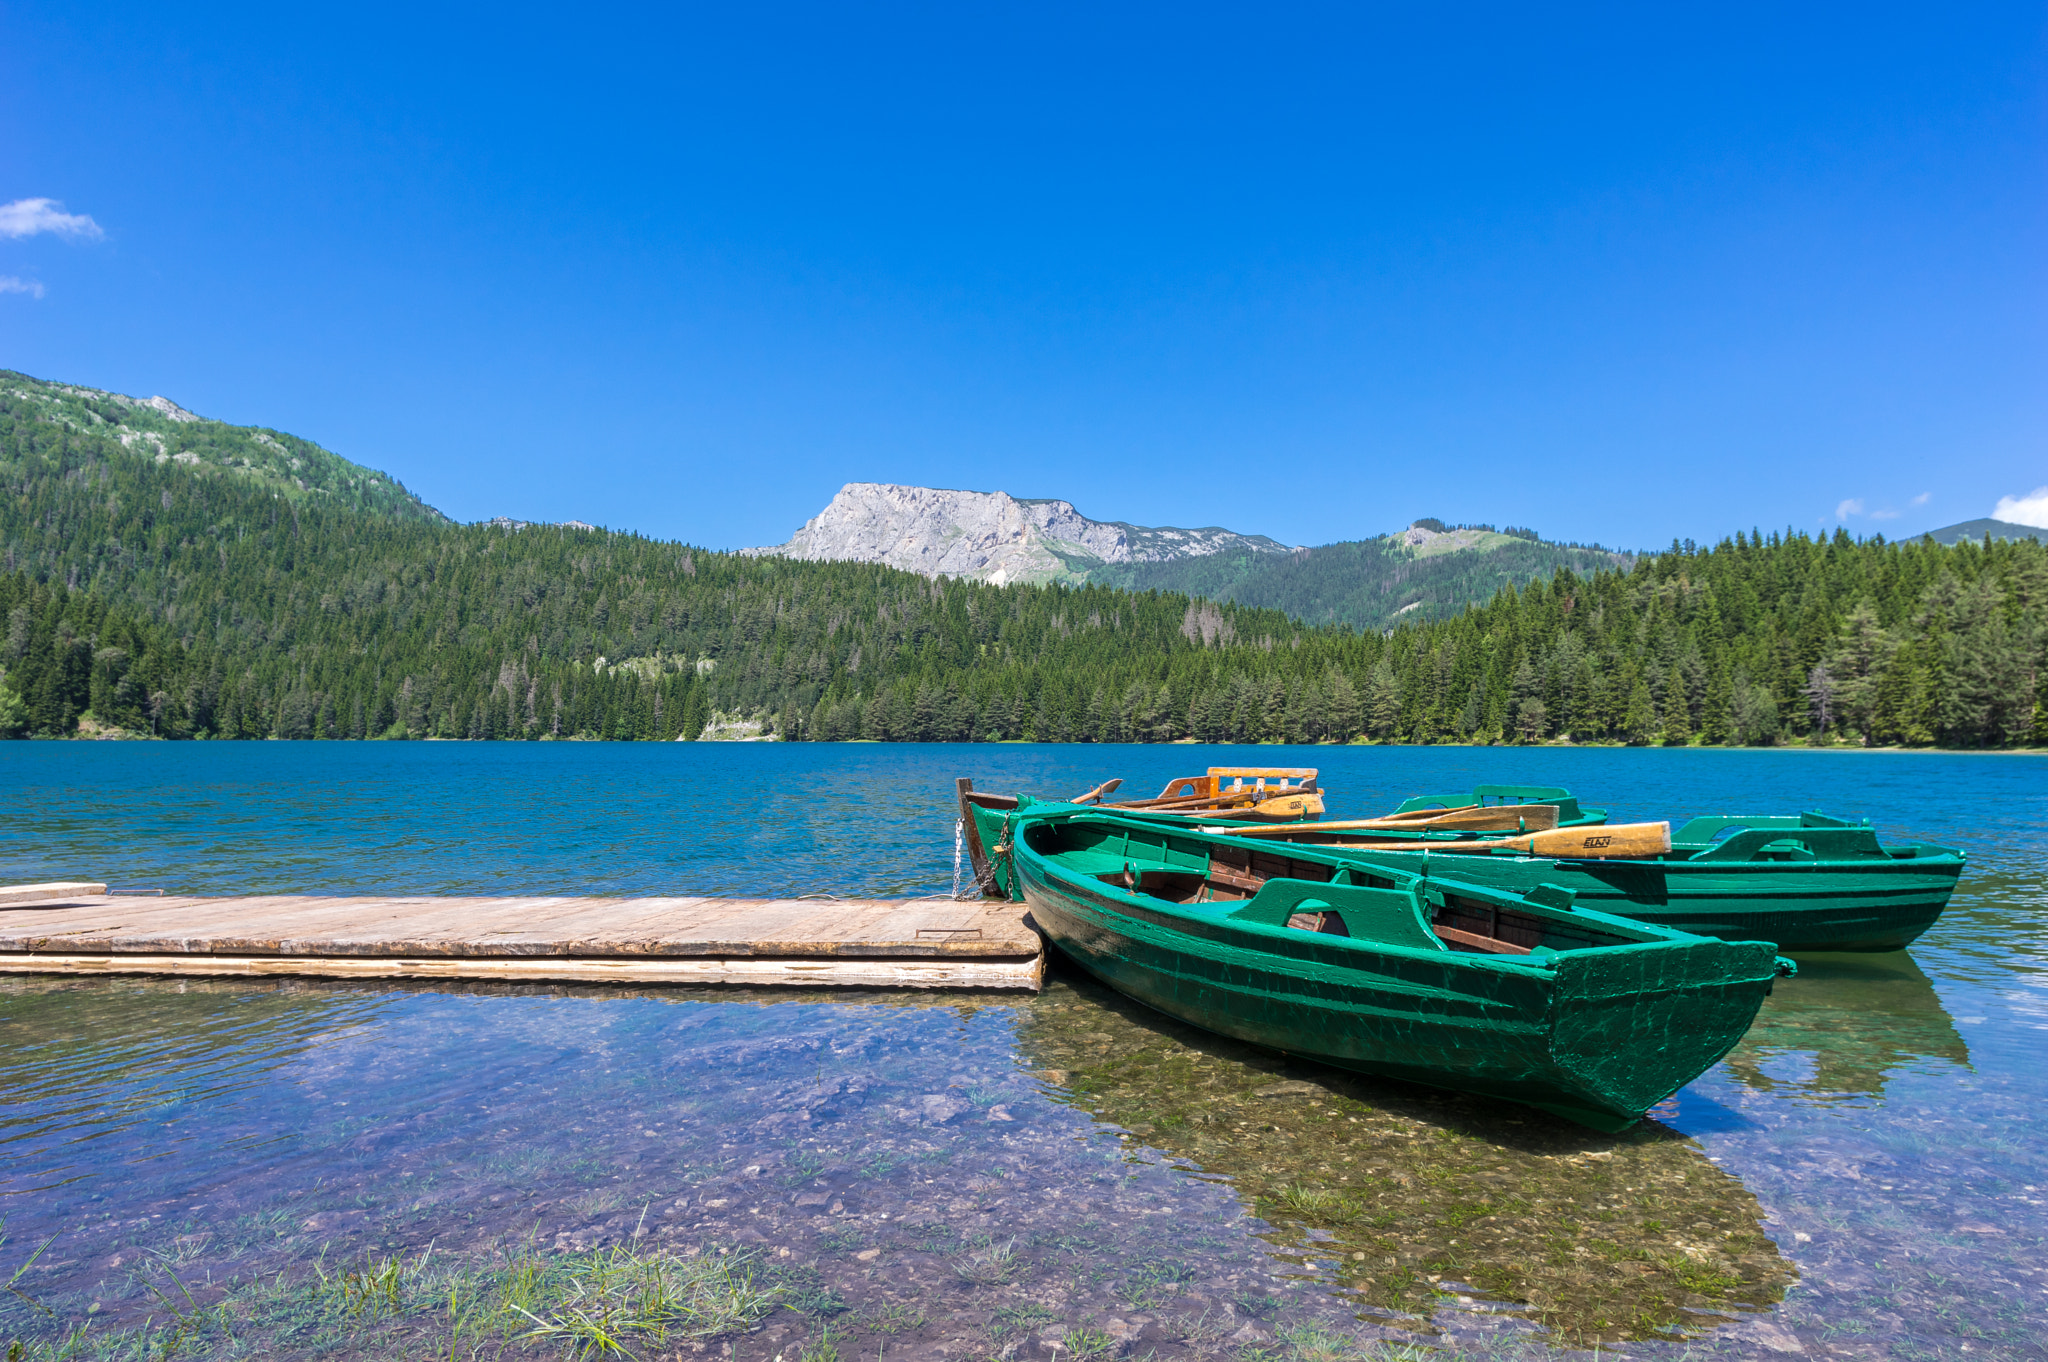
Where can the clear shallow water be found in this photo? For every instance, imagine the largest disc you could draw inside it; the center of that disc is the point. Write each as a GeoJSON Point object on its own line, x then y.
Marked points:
{"type": "Point", "coordinates": [1863, 1177]}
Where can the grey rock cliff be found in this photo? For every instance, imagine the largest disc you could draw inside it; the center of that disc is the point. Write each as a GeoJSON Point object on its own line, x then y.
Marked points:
{"type": "Point", "coordinates": [991, 536]}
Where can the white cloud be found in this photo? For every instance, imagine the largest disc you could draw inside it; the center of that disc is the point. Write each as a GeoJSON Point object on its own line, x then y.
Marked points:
{"type": "Point", "coordinates": [29, 217]}
{"type": "Point", "coordinates": [2031, 509]}
{"type": "Point", "coordinates": [1922, 499]}
{"type": "Point", "coordinates": [10, 284]}
{"type": "Point", "coordinates": [1852, 506]}
{"type": "Point", "coordinates": [1884, 515]}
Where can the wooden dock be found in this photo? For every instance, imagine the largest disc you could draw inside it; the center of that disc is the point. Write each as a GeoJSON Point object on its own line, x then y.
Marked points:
{"type": "Point", "coordinates": [807, 942]}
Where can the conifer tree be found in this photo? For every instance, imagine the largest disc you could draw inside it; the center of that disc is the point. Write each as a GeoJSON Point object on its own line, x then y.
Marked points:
{"type": "Point", "coordinates": [1677, 710]}
{"type": "Point", "coordinates": [1717, 722]}
{"type": "Point", "coordinates": [188, 599]}
{"type": "Point", "coordinates": [1640, 721]}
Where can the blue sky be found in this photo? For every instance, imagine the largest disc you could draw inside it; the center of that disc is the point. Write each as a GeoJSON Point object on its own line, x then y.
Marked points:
{"type": "Point", "coordinates": [1620, 275]}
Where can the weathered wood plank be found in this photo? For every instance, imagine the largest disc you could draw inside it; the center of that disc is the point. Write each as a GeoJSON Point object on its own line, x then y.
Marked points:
{"type": "Point", "coordinates": [715, 932]}
{"type": "Point", "coordinates": [1027, 974]}
{"type": "Point", "coordinates": [521, 924]}
{"type": "Point", "coordinates": [60, 889]}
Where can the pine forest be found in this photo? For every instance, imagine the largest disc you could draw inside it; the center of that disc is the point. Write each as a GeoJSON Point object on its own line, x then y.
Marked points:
{"type": "Point", "coordinates": [169, 576]}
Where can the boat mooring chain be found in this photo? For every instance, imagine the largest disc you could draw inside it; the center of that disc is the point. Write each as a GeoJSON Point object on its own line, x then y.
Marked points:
{"type": "Point", "coordinates": [1000, 850]}
{"type": "Point", "coordinates": [987, 886]}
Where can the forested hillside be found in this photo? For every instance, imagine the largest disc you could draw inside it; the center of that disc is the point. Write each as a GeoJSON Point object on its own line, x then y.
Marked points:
{"type": "Point", "coordinates": [190, 598]}
{"type": "Point", "coordinates": [1756, 640]}
{"type": "Point", "coordinates": [212, 597]}
{"type": "Point", "coordinates": [1368, 583]}
{"type": "Point", "coordinates": [160, 432]}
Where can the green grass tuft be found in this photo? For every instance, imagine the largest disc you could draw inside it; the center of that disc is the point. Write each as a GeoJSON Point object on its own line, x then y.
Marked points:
{"type": "Point", "coordinates": [989, 1264]}
{"type": "Point", "coordinates": [1085, 1343]}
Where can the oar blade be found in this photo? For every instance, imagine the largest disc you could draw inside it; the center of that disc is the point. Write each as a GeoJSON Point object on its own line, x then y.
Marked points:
{"type": "Point", "coordinates": [1605, 841]}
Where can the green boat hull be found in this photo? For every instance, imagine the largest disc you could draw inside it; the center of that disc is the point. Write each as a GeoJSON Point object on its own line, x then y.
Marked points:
{"type": "Point", "coordinates": [1596, 1036]}
{"type": "Point", "coordinates": [1800, 905]}
{"type": "Point", "coordinates": [1570, 813]}
{"type": "Point", "coordinates": [1804, 887]}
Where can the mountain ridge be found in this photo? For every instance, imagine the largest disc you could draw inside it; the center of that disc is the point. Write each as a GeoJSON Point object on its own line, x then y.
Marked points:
{"type": "Point", "coordinates": [1426, 570]}
{"type": "Point", "coordinates": [990, 536]}
{"type": "Point", "coordinates": [160, 431]}
{"type": "Point", "coordinates": [1977, 529]}
{"type": "Point", "coordinates": [212, 597]}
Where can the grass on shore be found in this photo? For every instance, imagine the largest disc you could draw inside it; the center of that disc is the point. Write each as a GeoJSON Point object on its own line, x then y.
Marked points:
{"type": "Point", "coordinates": [626, 1302]}
{"type": "Point", "coordinates": [616, 1302]}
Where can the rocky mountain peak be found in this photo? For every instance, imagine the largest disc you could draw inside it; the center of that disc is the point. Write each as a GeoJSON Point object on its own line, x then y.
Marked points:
{"type": "Point", "coordinates": [990, 536]}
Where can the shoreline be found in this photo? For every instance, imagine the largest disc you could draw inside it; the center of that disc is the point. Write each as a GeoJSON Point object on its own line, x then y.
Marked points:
{"type": "Point", "coordinates": [118, 736]}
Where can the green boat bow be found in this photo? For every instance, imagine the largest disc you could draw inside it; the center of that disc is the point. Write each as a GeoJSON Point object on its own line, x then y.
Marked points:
{"type": "Point", "coordinates": [1526, 997]}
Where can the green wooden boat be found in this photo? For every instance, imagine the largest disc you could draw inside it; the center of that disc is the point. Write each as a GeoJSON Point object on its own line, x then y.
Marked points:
{"type": "Point", "coordinates": [1488, 811]}
{"type": "Point", "coordinates": [1525, 997]}
{"type": "Point", "coordinates": [1570, 813]}
{"type": "Point", "coordinates": [1807, 883]}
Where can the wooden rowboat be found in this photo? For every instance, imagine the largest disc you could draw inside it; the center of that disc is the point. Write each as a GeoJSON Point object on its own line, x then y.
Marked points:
{"type": "Point", "coordinates": [1526, 997]}
{"type": "Point", "coordinates": [1253, 793]}
{"type": "Point", "coordinates": [1290, 794]}
{"type": "Point", "coordinates": [1495, 808]}
{"type": "Point", "coordinates": [1808, 883]}
{"type": "Point", "coordinates": [1601, 840]}
{"type": "Point", "coordinates": [1488, 811]}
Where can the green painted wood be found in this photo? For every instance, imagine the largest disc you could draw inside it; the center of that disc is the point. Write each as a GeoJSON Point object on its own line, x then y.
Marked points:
{"type": "Point", "coordinates": [1604, 1019]}
{"type": "Point", "coordinates": [1391, 916]}
{"type": "Point", "coordinates": [1804, 889]}
{"type": "Point", "coordinates": [1569, 812]}
{"type": "Point", "coordinates": [1805, 882]}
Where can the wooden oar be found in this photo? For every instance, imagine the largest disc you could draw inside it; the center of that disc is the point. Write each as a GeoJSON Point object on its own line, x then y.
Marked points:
{"type": "Point", "coordinates": [1473, 818]}
{"type": "Point", "coordinates": [1501, 818]}
{"type": "Point", "coordinates": [1423, 815]}
{"type": "Point", "coordinates": [1188, 803]}
{"type": "Point", "coordinates": [1098, 792]}
{"type": "Point", "coordinates": [1619, 839]}
{"type": "Point", "coordinates": [1289, 808]}
{"type": "Point", "coordinates": [1498, 818]}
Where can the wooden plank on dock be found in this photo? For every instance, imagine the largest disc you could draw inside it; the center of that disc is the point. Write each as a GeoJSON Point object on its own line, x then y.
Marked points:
{"type": "Point", "coordinates": [932, 942]}
{"type": "Point", "coordinates": [63, 890]}
{"type": "Point", "coordinates": [858, 972]}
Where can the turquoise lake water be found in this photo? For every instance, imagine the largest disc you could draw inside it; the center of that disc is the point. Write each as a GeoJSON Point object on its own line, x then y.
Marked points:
{"type": "Point", "coordinates": [1863, 1177]}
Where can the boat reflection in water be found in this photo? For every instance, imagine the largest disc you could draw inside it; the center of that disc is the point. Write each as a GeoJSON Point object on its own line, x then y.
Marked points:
{"type": "Point", "coordinates": [1405, 1195]}
{"type": "Point", "coordinates": [1844, 1026]}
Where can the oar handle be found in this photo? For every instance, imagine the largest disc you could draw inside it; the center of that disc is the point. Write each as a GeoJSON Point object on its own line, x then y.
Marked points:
{"type": "Point", "coordinates": [1604, 841]}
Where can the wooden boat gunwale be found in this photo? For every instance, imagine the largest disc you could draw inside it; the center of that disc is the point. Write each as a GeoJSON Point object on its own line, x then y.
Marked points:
{"type": "Point", "coordinates": [1718, 850]}
{"type": "Point", "coordinates": [1293, 796]}
{"type": "Point", "coordinates": [1863, 904]}
{"type": "Point", "coordinates": [1454, 1028]}
{"type": "Point", "coordinates": [1570, 812]}
{"type": "Point", "coordinates": [1443, 890]}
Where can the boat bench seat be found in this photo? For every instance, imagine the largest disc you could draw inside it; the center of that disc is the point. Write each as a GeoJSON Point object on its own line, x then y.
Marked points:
{"type": "Point", "coordinates": [1825, 844]}
{"type": "Point", "coordinates": [1391, 916]}
{"type": "Point", "coordinates": [1175, 886]}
